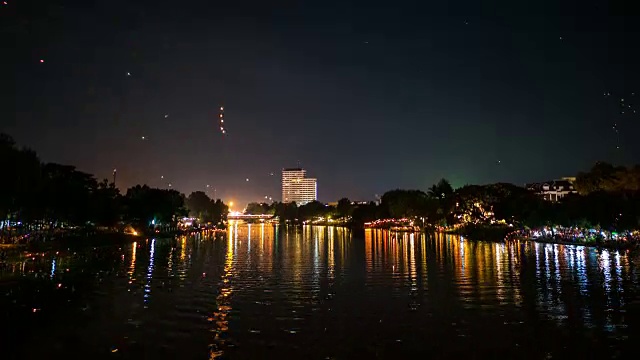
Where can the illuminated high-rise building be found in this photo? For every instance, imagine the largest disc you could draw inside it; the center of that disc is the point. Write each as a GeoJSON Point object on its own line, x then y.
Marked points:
{"type": "Point", "coordinates": [297, 187]}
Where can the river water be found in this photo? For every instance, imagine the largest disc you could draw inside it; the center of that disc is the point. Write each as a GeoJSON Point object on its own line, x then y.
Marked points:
{"type": "Point", "coordinates": [260, 292]}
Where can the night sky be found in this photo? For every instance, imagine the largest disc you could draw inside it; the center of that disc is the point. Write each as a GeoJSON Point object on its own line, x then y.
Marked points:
{"type": "Point", "coordinates": [367, 96]}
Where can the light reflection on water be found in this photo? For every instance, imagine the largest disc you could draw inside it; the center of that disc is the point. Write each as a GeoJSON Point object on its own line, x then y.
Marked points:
{"type": "Point", "coordinates": [147, 286]}
{"type": "Point", "coordinates": [260, 291]}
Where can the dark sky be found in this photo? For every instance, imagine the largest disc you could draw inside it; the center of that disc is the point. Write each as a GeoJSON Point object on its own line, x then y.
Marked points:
{"type": "Point", "coordinates": [367, 96]}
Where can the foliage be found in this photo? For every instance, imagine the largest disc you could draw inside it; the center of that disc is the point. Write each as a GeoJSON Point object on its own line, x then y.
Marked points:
{"type": "Point", "coordinates": [315, 209]}
{"type": "Point", "coordinates": [20, 177]}
{"type": "Point", "coordinates": [259, 209]}
{"type": "Point", "coordinates": [145, 204]}
{"type": "Point", "coordinates": [67, 194]}
{"type": "Point", "coordinates": [286, 211]}
{"type": "Point", "coordinates": [345, 211]}
{"type": "Point", "coordinates": [495, 202]}
{"type": "Point", "coordinates": [609, 178]}
{"type": "Point", "coordinates": [207, 210]}
{"type": "Point", "coordinates": [52, 195]}
{"type": "Point", "coordinates": [344, 208]}
{"type": "Point", "coordinates": [366, 213]}
{"type": "Point", "coordinates": [441, 190]}
{"type": "Point", "coordinates": [404, 203]}
{"type": "Point", "coordinates": [107, 204]}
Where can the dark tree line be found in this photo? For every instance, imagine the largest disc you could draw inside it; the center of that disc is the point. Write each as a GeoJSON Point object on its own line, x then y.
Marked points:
{"type": "Point", "coordinates": [39, 195]}
{"type": "Point", "coordinates": [206, 209]}
{"type": "Point", "coordinates": [608, 198]}
{"type": "Point", "coordinates": [342, 212]}
{"type": "Point", "coordinates": [291, 211]}
{"type": "Point", "coordinates": [605, 177]}
{"type": "Point", "coordinates": [145, 206]}
{"type": "Point", "coordinates": [36, 195]}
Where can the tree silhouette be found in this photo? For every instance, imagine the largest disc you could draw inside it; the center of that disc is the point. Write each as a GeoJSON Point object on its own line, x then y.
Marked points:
{"type": "Point", "coordinates": [344, 208]}
{"type": "Point", "coordinates": [205, 209]}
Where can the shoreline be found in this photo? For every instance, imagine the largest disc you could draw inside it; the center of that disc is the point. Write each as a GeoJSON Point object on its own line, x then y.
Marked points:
{"type": "Point", "coordinates": [489, 234]}
{"type": "Point", "coordinates": [597, 245]}
{"type": "Point", "coordinates": [96, 238]}
{"type": "Point", "coordinates": [502, 235]}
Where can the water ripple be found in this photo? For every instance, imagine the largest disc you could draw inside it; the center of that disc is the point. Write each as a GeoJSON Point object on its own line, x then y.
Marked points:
{"type": "Point", "coordinates": [321, 292]}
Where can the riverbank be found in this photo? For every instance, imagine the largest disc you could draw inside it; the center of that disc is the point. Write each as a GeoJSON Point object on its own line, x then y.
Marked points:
{"type": "Point", "coordinates": [505, 233]}
{"type": "Point", "coordinates": [615, 245]}
{"type": "Point", "coordinates": [80, 240]}
{"type": "Point", "coordinates": [482, 232]}
{"type": "Point", "coordinates": [92, 237]}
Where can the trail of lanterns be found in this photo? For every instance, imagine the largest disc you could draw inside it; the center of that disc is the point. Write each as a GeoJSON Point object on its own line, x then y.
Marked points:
{"type": "Point", "coordinates": [624, 110]}
{"type": "Point", "coordinates": [221, 115]}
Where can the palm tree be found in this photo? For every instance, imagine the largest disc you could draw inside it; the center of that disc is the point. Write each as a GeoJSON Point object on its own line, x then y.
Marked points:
{"type": "Point", "coordinates": [441, 190]}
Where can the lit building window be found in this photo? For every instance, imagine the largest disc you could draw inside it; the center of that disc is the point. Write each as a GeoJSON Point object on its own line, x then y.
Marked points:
{"type": "Point", "coordinates": [298, 188]}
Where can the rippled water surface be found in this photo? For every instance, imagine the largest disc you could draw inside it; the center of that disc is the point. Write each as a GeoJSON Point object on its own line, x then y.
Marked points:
{"type": "Point", "coordinates": [320, 293]}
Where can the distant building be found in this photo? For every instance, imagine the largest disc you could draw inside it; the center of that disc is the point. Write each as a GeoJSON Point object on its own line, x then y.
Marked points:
{"type": "Point", "coordinates": [297, 187]}
{"type": "Point", "coordinates": [554, 190]}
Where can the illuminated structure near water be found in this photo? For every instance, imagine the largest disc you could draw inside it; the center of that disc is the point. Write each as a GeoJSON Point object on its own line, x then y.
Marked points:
{"type": "Point", "coordinates": [297, 187]}
{"type": "Point", "coordinates": [554, 190]}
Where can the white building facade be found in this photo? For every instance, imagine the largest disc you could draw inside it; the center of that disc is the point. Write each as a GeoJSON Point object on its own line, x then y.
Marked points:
{"type": "Point", "coordinates": [297, 187]}
{"type": "Point", "coordinates": [554, 190]}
